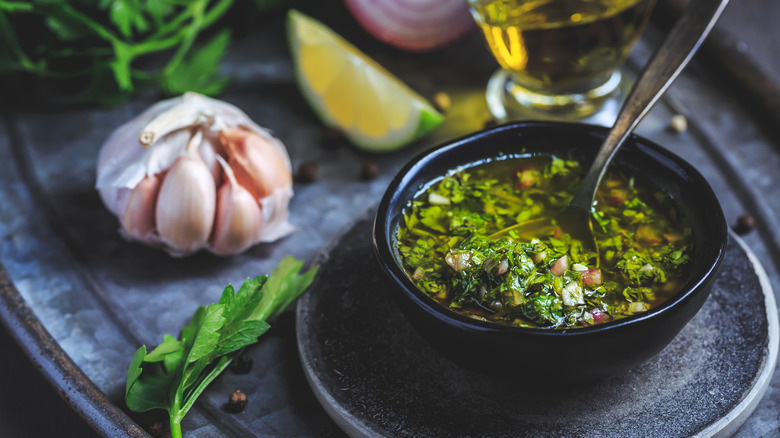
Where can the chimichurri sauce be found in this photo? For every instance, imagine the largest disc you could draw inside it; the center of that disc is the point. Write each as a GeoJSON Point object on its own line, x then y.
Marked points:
{"type": "Point", "coordinates": [547, 280]}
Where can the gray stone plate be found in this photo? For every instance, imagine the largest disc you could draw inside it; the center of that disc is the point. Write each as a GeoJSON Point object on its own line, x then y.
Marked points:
{"type": "Point", "coordinates": [375, 376]}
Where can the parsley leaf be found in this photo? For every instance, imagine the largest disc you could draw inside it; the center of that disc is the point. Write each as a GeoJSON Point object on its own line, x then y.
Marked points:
{"type": "Point", "coordinates": [199, 72]}
{"type": "Point", "coordinates": [136, 44]}
{"type": "Point", "coordinates": [176, 372]}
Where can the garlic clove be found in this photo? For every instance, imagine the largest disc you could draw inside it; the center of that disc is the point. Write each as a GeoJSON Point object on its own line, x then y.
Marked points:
{"type": "Point", "coordinates": [187, 202]}
{"type": "Point", "coordinates": [239, 219]}
{"type": "Point", "coordinates": [137, 217]}
{"type": "Point", "coordinates": [258, 164]}
{"type": "Point", "coordinates": [209, 156]}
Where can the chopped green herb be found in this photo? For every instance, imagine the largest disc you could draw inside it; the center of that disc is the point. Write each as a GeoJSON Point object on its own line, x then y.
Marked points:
{"type": "Point", "coordinates": [548, 279]}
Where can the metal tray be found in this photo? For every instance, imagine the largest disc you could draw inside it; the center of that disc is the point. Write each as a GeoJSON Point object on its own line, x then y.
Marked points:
{"type": "Point", "coordinates": [80, 300]}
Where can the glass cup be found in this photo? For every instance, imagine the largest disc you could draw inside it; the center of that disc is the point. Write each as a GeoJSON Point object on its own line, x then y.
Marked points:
{"type": "Point", "coordinates": [560, 59]}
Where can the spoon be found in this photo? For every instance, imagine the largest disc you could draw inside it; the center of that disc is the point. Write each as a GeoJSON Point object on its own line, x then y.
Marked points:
{"type": "Point", "coordinates": [663, 68]}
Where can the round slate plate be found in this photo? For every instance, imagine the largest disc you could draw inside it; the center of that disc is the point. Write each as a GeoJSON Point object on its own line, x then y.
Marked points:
{"type": "Point", "coordinates": [375, 376]}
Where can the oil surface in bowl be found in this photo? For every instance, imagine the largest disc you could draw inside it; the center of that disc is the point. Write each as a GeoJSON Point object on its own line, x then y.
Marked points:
{"type": "Point", "coordinates": [544, 279]}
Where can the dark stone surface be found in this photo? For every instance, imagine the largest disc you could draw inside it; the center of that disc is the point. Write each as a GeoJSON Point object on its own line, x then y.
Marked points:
{"type": "Point", "coordinates": [374, 369]}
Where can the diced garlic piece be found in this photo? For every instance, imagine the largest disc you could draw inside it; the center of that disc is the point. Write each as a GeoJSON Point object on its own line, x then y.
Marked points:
{"type": "Point", "coordinates": [637, 307]}
{"type": "Point", "coordinates": [539, 257]}
{"type": "Point", "coordinates": [572, 294]}
{"type": "Point", "coordinates": [437, 199]}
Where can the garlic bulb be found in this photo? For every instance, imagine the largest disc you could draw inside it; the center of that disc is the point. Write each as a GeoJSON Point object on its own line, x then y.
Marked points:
{"type": "Point", "coordinates": [195, 173]}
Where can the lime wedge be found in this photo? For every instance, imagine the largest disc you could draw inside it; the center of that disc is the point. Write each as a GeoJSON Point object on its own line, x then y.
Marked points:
{"type": "Point", "coordinates": [353, 93]}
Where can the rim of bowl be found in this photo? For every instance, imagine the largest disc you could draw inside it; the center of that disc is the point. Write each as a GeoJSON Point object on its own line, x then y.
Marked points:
{"type": "Point", "coordinates": [382, 237]}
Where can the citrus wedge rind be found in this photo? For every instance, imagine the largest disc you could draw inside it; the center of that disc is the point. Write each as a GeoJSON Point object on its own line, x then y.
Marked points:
{"type": "Point", "coordinates": [353, 93]}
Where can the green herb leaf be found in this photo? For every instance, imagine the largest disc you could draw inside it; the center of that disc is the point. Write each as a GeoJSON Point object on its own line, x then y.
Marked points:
{"type": "Point", "coordinates": [148, 393]}
{"type": "Point", "coordinates": [169, 345]}
{"type": "Point", "coordinates": [106, 38]}
{"type": "Point", "coordinates": [284, 287]}
{"type": "Point", "coordinates": [200, 71]}
{"type": "Point", "coordinates": [158, 9]}
{"type": "Point", "coordinates": [175, 373]}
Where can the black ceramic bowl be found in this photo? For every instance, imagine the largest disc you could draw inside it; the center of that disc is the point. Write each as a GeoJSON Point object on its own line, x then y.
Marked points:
{"type": "Point", "coordinates": [570, 354]}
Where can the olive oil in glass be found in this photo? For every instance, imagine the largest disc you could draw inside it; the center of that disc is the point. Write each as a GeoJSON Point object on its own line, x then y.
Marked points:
{"type": "Point", "coordinates": [559, 57]}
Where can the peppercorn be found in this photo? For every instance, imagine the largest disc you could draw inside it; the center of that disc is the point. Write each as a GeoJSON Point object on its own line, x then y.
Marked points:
{"type": "Point", "coordinates": [242, 364]}
{"type": "Point", "coordinates": [236, 402]}
{"type": "Point", "coordinates": [307, 172]}
{"type": "Point", "coordinates": [369, 171]}
{"type": "Point", "coordinates": [678, 123]}
{"type": "Point", "coordinates": [745, 224]}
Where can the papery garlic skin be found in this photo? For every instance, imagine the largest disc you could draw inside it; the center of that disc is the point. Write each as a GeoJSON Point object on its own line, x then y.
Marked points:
{"type": "Point", "coordinates": [164, 167]}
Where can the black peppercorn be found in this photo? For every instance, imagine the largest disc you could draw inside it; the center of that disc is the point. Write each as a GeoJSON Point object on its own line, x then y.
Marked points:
{"type": "Point", "coordinates": [307, 172]}
{"type": "Point", "coordinates": [236, 402]}
{"type": "Point", "coordinates": [745, 224]}
{"type": "Point", "coordinates": [369, 171]}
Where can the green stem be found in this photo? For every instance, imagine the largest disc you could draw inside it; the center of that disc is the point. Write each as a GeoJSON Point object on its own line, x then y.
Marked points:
{"type": "Point", "coordinates": [223, 363]}
{"type": "Point", "coordinates": [170, 27]}
{"type": "Point", "coordinates": [216, 12]}
{"type": "Point", "coordinates": [158, 45]}
{"type": "Point", "coordinates": [201, 19]}
{"type": "Point", "coordinates": [7, 34]}
{"type": "Point", "coordinates": [175, 427]}
{"type": "Point", "coordinates": [176, 415]}
{"type": "Point", "coordinates": [189, 37]}
{"type": "Point", "coordinates": [99, 29]}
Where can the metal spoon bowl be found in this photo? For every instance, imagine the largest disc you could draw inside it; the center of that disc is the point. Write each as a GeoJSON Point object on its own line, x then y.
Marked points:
{"type": "Point", "coordinates": [663, 68]}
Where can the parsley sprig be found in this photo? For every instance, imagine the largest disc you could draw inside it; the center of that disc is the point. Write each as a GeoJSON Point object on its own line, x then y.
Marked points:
{"type": "Point", "coordinates": [176, 372]}
{"type": "Point", "coordinates": [106, 45]}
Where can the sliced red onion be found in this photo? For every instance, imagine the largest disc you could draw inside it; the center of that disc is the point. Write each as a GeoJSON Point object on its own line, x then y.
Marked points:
{"type": "Point", "coordinates": [503, 266]}
{"type": "Point", "coordinates": [459, 261]}
{"type": "Point", "coordinates": [560, 266]}
{"type": "Point", "coordinates": [414, 25]}
{"type": "Point", "coordinates": [591, 277]}
{"type": "Point", "coordinates": [599, 316]}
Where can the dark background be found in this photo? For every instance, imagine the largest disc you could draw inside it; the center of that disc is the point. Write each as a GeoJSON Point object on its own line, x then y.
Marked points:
{"type": "Point", "coordinates": [30, 407]}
